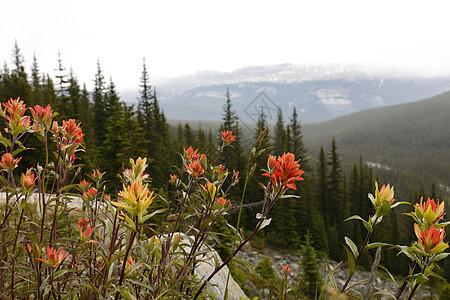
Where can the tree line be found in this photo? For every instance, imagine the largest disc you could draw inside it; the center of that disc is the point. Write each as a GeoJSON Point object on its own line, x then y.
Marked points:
{"type": "Point", "coordinates": [115, 131]}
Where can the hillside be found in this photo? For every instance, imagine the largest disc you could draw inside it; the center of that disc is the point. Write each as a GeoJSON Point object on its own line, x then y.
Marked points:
{"type": "Point", "coordinates": [319, 93]}
{"type": "Point", "coordinates": [405, 143]}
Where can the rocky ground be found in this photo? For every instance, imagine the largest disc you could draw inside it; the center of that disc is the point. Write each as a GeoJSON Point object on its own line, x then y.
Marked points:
{"type": "Point", "coordinates": [279, 259]}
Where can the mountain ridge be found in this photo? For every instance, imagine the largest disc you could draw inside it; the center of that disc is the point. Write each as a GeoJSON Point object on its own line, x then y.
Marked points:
{"type": "Point", "coordinates": [319, 92]}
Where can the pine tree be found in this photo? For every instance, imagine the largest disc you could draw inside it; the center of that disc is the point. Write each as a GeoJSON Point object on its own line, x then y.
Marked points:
{"type": "Point", "coordinates": [232, 157]}
{"type": "Point", "coordinates": [63, 107]}
{"type": "Point", "coordinates": [36, 83]}
{"type": "Point", "coordinates": [279, 140]}
{"type": "Point", "coordinates": [322, 184]}
{"type": "Point", "coordinates": [100, 113]}
{"type": "Point", "coordinates": [310, 267]}
{"type": "Point", "coordinates": [16, 84]}
{"type": "Point", "coordinates": [336, 207]}
{"type": "Point", "coordinates": [155, 129]}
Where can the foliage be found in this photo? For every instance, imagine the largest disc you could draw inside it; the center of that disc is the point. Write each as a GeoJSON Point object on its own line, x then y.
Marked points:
{"type": "Point", "coordinates": [116, 250]}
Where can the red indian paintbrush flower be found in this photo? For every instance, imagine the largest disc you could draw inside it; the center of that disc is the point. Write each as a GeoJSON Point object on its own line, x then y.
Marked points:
{"type": "Point", "coordinates": [194, 168]}
{"type": "Point", "coordinates": [85, 230]}
{"type": "Point", "coordinates": [54, 258]}
{"type": "Point", "coordinates": [430, 211]}
{"type": "Point", "coordinates": [90, 193]}
{"type": "Point", "coordinates": [130, 262]}
{"type": "Point", "coordinates": [284, 171]}
{"type": "Point", "coordinates": [190, 154]}
{"type": "Point", "coordinates": [8, 162]}
{"type": "Point", "coordinates": [28, 181]}
{"type": "Point", "coordinates": [73, 132]}
{"type": "Point", "coordinates": [221, 202]}
{"type": "Point", "coordinates": [286, 269]}
{"type": "Point", "coordinates": [227, 137]}
{"type": "Point", "coordinates": [42, 116]}
{"type": "Point", "coordinates": [431, 239]}
{"type": "Point", "coordinates": [14, 114]}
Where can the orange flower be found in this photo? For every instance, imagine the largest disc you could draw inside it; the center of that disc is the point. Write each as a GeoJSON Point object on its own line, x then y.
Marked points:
{"type": "Point", "coordinates": [194, 168]}
{"type": "Point", "coordinates": [28, 181]}
{"type": "Point", "coordinates": [222, 203]}
{"type": "Point", "coordinates": [285, 172]}
{"type": "Point", "coordinates": [84, 185]}
{"type": "Point", "coordinates": [227, 137]}
{"type": "Point", "coordinates": [17, 122]}
{"type": "Point", "coordinates": [431, 239]}
{"type": "Point", "coordinates": [85, 230]}
{"type": "Point", "coordinates": [8, 162]}
{"type": "Point", "coordinates": [190, 154]}
{"type": "Point", "coordinates": [235, 178]}
{"type": "Point", "coordinates": [42, 116]}
{"type": "Point", "coordinates": [286, 269]}
{"type": "Point", "coordinates": [15, 107]}
{"type": "Point", "coordinates": [90, 193]}
{"type": "Point", "coordinates": [54, 258]}
{"type": "Point", "coordinates": [130, 262]}
{"type": "Point", "coordinates": [430, 211]}
{"type": "Point", "coordinates": [97, 175]}
{"type": "Point", "coordinates": [73, 133]}
{"type": "Point", "coordinates": [173, 179]}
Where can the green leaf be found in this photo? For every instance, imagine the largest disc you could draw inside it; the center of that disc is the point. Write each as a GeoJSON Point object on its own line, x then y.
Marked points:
{"type": "Point", "coordinates": [352, 246]}
{"type": "Point", "coordinates": [126, 294]}
{"type": "Point", "coordinates": [420, 278]}
{"type": "Point", "coordinates": [351, 262]}
{"type": "Point", "coordinates": [398, 203]}
{"type": "Point", "coordinates": [365, 223]}
{"type": "Point", "coordinates": [440, 256]}
{"type": "Point", "coordinates": [376, 245]}
{"type": "Point", "coordinates": [386, 293]}
{"type": "Point", "coordinates": [5, 141]}
{"type": "Point", "coordinates": [390, 275]}
{"type": "Point", "coordinates": [265, 223]}
{"type": "Point", "coordinates": [146, 217]}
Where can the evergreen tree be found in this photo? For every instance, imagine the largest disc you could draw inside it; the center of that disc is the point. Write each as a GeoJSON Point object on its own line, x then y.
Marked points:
{"type": "Point", "coordinates": [36, 83]}
{"type": "Point", "coordinates": [16, 83]}
{"type": "Point", "coordinates": [100, 113]}
{"type": "Point", "coordinates": [232, 156]}
{"type": "Point", "coordinates": [63, 107]}
{"type": "Point", "coordinates": [156, 130]}
{"type": "Point", "coordinates": [310, 267]}
{"type": "Point", "coordinates": [73, 96]}
{"type": "Point", "coordinates": [322, 184]}
{"type": "Point", "coordinates": [336, 207]}
{"type": "Point", "coordinates": [279, 140]}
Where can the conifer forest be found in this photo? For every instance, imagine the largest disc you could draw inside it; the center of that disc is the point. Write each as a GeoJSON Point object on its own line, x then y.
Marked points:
{"type": "Point", "coordinates": [320, 209]}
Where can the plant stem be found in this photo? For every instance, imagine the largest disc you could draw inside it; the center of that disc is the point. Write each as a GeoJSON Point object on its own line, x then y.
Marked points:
{"type": "Point", "coordinates": [361, 250]}
{"type": "Point", "coordinates": [14, 253]}
{"type": "Point", "coordinates": [405, 282]}
{"type": "Point", "coordinates": [229, 258]}
{"type": "Point", "coordinates": [130, 244]}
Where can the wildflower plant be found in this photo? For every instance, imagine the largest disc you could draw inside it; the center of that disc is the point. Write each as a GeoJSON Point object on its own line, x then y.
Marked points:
{"type": "Point", "coordinates": [63, 237]}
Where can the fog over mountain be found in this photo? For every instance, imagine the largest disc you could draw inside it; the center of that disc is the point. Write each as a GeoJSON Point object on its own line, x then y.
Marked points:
{"type": "Point", "coordinates": [319, 92]}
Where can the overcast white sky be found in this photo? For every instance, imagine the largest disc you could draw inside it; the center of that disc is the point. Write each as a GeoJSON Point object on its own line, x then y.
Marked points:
{"type": "Point", "coordinates": [181, 37]}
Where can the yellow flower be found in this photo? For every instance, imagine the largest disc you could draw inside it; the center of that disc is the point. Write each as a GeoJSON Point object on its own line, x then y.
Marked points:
{"type": "Point", "coordinates": [135, 199]}
{"type": "Point", "coordinates": [383, 199]}
{"type": "Point", "coordinates": [430, 211]}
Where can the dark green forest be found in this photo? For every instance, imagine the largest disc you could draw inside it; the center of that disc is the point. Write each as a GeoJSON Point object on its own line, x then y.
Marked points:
{"type": "Point", "coordinates": [333, 154]}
